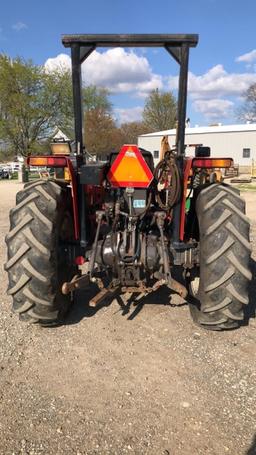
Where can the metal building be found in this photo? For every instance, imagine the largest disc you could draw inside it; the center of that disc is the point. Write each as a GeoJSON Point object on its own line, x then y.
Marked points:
{"type": "Point", "coordinates": [234, 141]}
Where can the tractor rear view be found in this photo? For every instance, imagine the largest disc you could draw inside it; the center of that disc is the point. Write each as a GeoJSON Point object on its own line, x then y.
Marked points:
{"type": "Point", "coordinates": [133, 225]}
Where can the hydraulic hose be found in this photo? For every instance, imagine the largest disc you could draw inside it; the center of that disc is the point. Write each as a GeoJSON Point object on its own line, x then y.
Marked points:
{"type": "Point", "coordinates": [167, 172]}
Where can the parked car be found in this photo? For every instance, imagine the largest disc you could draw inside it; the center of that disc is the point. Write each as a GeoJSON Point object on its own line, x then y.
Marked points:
{"type": "Point", "coordinates": [4, 173]}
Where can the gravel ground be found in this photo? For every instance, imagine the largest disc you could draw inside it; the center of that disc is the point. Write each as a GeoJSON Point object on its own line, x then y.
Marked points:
{"type": "Point", "coordinates": [142, 381]}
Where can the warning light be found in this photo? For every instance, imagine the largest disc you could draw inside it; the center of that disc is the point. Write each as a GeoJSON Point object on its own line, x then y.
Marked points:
{"type": "Point", "coordinates": [212, 162]}
{"type": "Point", "coordinates": [130, 169]}
{"type": "Point", "coordinates": [49, 161]}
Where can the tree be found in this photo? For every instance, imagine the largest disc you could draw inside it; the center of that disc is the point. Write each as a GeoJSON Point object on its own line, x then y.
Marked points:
{"type": "Point", "coordinates": [100, 132]}
{"type": "Point", "coordinates": [130, 131]}
{"type": "Point", "coordinates": [96, 98]}
{"type": "Point", "coordinates": [247, 112]}
{"type": "Point", "coordinates": [32, 103]}
{"type": "Point", "coordinates": [160, 111]}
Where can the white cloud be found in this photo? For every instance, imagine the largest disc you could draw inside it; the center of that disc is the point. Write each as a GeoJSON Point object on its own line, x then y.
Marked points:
{"type": "Point", "coordinates": [210, 90]}
{"type": "Point", "coordinates": [119, 70]}
{"type": "Point", "coordinates": [132, 114]}
{"type": "Point", "coordinates": [61, 61]}
{"type": "Point", "coordinates": [144, 88]}
{"type": "Point", "coordinates": [126, 72]}
{"type": "Point", "coordinates": [216, 83]}
{"type": "Point", "coordinates": [214, 109]}
{"type": "Point", "coordinates": [248, 57]}
{"type": "Point", "coordinates": [19, 26]}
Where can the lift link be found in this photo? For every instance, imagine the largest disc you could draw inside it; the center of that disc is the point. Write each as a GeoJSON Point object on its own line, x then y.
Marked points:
{"type": "Point", "coordinates": [170, 282]}
{"type": "Point", "coordinates": [99, 216]}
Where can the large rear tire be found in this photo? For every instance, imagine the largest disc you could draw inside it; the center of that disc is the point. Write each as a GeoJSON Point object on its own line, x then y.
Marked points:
{"type": "Point", "coordinates": [224, 273]}
{"type": "Point", "coordinates": [37, 266]}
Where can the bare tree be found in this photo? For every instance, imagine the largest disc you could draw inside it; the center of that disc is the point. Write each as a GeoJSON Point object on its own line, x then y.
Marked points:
{"type": "Point", "coordinates": [247, 112]}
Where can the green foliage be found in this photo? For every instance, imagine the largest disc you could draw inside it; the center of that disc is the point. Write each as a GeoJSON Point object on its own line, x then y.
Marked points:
{"type": "Point", "coordinates": [14, 175]}
{"type": "Point", "coordinates": [32, 103]}
{"type": "Point", "coordinates": [160, 111]}
{"type": "Point", "coordinates": [6, 155]}
{"type": "Point", "coordinates": [96, 98]}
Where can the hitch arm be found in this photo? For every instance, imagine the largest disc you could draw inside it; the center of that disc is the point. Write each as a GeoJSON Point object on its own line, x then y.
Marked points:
{"type": "Point", "coordinates": [78, 282]}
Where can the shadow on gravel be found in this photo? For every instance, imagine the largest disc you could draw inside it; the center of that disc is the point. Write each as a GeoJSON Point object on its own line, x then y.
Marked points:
{"type": "Point", "coordinates": [129, 307]}
{"type": "Point", "coordinates": [252, 449]}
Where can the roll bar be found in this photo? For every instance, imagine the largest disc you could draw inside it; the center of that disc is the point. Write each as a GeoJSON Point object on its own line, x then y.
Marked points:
{"type": "Point", "coordinates": [177, 46]}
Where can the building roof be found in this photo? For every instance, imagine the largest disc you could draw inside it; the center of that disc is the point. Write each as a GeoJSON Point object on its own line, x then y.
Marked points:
{"type": "Point", "coordinates": [60, 135]}
{"type": "Point", "coordinates": [207, 129]}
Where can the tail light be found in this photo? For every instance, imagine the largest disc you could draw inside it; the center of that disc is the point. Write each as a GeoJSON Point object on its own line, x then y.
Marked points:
{"type": "Point", "coordinates": [212, 162]}
{"type": "Point", "coordinates": [47, 161]}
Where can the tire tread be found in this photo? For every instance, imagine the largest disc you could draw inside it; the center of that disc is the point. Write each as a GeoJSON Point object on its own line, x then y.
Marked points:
{"type": "Point", "coordinates": [33, 255]}
{"type": "Point", "coordinates": [224, 258]}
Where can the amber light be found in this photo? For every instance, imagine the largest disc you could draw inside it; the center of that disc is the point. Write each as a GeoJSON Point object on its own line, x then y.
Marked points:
{"type": "Point", "coordinates": [212, 162]}
{"type": "Point", "coordinates": [60, 148]}
{"type": "Point", "coordinates": [48, 161]}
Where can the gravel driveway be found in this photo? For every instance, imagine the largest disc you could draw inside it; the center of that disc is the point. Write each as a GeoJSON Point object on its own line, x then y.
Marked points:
{"type": "Point", "coordinates": [142, 380]}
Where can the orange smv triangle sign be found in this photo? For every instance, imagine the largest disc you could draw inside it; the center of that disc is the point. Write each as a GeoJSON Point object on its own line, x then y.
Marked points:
{"type": "Point", "coordinates": [130, 169]}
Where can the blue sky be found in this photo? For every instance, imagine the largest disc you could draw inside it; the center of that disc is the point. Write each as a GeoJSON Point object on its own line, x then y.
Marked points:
{"type": "Point", "coordinates": [222, 66]}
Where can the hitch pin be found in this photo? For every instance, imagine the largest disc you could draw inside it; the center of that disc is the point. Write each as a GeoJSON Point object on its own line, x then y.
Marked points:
{"type": "Point", "coordinates": [77, 282]}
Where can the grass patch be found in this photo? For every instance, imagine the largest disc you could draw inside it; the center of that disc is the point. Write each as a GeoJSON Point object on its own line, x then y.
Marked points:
{"type": "Point", "coordinates": [246, 187]}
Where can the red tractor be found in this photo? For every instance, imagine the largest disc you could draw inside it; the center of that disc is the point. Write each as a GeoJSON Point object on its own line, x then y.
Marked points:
{"type": "Point", "coordinates": [133, 225]}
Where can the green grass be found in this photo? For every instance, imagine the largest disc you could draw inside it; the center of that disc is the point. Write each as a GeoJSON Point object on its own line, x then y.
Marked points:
{"type": "Point", "coordinates": [246, 187]}
{"type": "Point", "coordinates": [14, 176]}
{"type": "Point", "coordinates": [33, 176]}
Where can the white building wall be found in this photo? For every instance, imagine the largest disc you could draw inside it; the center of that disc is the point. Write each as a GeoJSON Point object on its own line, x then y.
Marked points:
{"type": "Point", "coordinates": [223, 144]}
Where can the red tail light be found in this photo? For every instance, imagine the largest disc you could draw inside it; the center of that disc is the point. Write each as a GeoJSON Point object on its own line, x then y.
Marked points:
{"type": "Point", "coordinates": [47, 161]}
{"type": "Point", "coordinates": [212, 162]}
